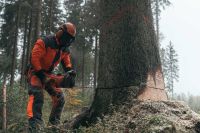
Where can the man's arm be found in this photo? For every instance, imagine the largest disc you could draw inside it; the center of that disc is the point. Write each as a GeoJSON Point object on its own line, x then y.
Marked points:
{"type": "Point", "coordinates": [66, 62]}
{"type": "Point", "coordinates": [67, 66]}
{"type": "Point", "coordinates": [38, 52]}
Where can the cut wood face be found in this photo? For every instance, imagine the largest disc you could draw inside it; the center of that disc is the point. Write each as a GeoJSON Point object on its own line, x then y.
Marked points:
{"type": "Point", "coordinates": [155, 88]}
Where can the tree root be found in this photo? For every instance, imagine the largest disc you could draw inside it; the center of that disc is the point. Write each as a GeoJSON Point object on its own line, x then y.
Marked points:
{"type": "Point", "coordinates": [85, 118]}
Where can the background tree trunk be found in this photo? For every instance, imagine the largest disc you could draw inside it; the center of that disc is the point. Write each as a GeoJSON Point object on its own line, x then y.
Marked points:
{"type": "Point", "coordinates": [129, 60]}
{"type": "Point", "coordinates": [50, 17]}
{"type": "Point", "coordinates": [83, 58]}
{"type": "Point", "coordinates": [157, 23]}
{"type": "Point", "coordinates": [83, 68]}
{"type": "Point", "coordinates": [14, 55]}
{"type": "Point", "coordinates": [23, 67]}
{"type": "Point", "coordinates": [95, 61]}
{"type": "Point", "coordinates": [34, 26]}
{"type": "Point", "coordinates": [37, 13]}
{"type": "Point", "coordinates": [4, 103]}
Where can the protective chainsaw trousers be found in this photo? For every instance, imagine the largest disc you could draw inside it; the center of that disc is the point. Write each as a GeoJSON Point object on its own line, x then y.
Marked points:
{"type": "Point", "coordinates": [36, 100]}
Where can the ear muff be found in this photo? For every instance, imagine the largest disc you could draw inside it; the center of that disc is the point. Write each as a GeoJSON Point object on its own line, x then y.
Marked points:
{"type": "Point", "coordinates": [61, 30]}
{"type": "Point", "coordinates": [59, 34]}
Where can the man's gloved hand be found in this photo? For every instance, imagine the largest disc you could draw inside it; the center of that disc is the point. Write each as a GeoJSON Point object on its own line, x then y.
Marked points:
{"type": "Point", "coordinates": [67, 69]}
{"type": "Point", "coordinates": [72, 76]}
{"type": "Point", "coordinates": [40, 74]}
{"type": "Point", "coordinates": [72, 73]}
{"type": "Point", "coordinates": [69, 79]}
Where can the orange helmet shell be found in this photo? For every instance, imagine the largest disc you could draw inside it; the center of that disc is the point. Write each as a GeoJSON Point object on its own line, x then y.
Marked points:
{"type": "Point", "coordinates": [71, 29]}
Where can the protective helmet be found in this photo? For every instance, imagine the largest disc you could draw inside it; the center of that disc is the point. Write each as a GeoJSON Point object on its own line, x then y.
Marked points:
{"type": "Point", "coordinates": [66, 34]}
{"type": "Point", "coordinates": [71, 29]}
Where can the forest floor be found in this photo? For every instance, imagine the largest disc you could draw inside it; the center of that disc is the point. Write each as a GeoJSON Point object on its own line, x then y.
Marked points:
{"type": "Point", "coordinates": [138, 117]}
{"type": "Point", "coordinates": [149, 117]}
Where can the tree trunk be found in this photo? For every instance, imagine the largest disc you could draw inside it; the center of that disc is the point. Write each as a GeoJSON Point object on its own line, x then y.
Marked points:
{"type": "Point", "coordinates": [95, 62]}
{"type": "Point", "coordinates": [83, 68]}
{"type": "Point", "coordinates": [83, 61]}
{"type": "Point", "coordinates": [29, 40]}
{"type": "Point", "coordinates": [37, 12]}
{"type": "Point", "coordinates": [22, 80]}
{"type": "Point", "coordinates": [129, 61]}
{"type": "Point", "coordinates": [50, 17]}
{"type": "Point", "coordinates": [34, 26]}
{"type": "Point", "coordinates": [13, 65]}
{"type": "Point", "coordinates": [4, 103]}
{"type": "Point", "coordinates": [157, 23]}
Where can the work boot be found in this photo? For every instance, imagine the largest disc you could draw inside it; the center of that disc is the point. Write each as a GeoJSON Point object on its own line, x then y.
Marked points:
{"type": "Point", "coordinates": [54, 127]}
{"type": "Point", "coordinates": [54, 122]}
{"type": "Point", "coordinates": [36, 126]}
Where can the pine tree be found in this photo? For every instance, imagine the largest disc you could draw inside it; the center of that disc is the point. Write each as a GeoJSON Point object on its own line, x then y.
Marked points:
{"type": "Point", "coordinates": [7, 38]}
{"type": "Point", "coordinates": [163, 61]}
{"type": "Point", "coordinates": [4, 103]}
{"type": "Point", "coordinates": [5, 64]}
{"type": "Point", "coordinates": [156, 6]}
{"type": "Point", "coordinates": [92, 19]}
{"type": "Point", "coordinates": [10, 25]}
{"type": "Point", "coordinates": [82, 48]}
{"type": "Point", "coordinates": [23, 57]}
{"type": "Point", "coordinates": [171, 67]}
{"type": "Point", "coordinates": [34, 28]}
{"type": "Point", "coordinates": [13, 18]}
{"type": "Point", "coordinates": [128, 57]}
{"type": "Point", "coordinates": [14, 55]}
{"type": "Point", "coordinates": [51, 16]}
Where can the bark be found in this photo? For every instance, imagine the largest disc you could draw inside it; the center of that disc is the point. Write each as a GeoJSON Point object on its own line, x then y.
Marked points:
{"type": "Point", "coordinates": [83, 62]}
{"type": "Point", "coordinates": [34, 26]}
{"type": "Point", "coordinates": [1, 109]}
{"type": "Point", "coordinates": [83, 68]}
{"type": "Point", "coordinates": [14, 55]}
{"type": "Point", "coordinates": [128, 56]}
{"type": "Point", "coordinates": [50, 17]}
{"type": "Point", "coordinates": [22, 80]}
{"type": "Point", "coordinates": [37, 12]}
{"type": "Point", "coordinates": [29, 39]}
{"type": "Point", "coordinates": [95, 61]}
{"type": "Point", "coordinates": [157, 23]}
{"type": "Point", "coordinates": [4, 103]}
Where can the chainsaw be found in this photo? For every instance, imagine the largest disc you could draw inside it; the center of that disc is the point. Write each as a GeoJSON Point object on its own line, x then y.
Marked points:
{"type": "Point", "coordinates": [66, 80]}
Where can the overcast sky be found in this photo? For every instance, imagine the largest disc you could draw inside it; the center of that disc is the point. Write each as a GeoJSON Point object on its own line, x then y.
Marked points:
{"type": "Point", "coordinates": [180, 23]}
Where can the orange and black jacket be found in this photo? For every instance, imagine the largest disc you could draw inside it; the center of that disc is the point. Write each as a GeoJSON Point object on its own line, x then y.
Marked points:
{"type": "Point", "coordinates": [44, 53]}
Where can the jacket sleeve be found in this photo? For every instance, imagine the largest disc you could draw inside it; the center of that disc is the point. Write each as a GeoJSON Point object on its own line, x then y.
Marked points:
{"type": "Point", "coordinates": [38, 52]}
{"type": "Point", "coordinates": [66, 61]}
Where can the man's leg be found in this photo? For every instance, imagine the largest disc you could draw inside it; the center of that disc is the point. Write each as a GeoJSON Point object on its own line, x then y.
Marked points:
{"type": "Point", "coordinates": [34, 108]}
{"type": "Point", "coordinates": [58, 104]}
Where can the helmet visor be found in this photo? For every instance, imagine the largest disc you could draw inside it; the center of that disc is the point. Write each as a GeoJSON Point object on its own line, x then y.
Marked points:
{"type": "Point", "coordinates": [67, 39]}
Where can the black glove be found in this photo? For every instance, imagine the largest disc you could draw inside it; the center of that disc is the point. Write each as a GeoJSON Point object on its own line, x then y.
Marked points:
{"type": "Point", "coordinates": [66, 69]}
{"type": "Point", "coordinates": [40, 74]}
{"type": "Point", "coordinates": [69, 79]}
{"type": "Point", "coordinates": [72, 73]}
